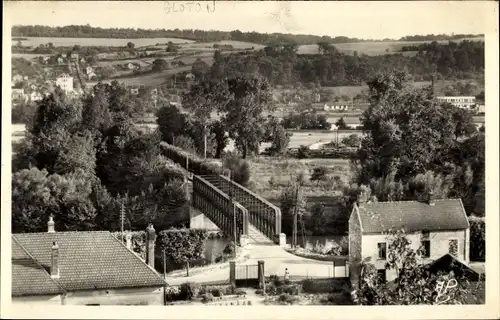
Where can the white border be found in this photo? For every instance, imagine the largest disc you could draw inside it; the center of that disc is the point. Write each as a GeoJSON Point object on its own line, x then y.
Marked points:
{"type": "Point", "coordinates": [489, 310]}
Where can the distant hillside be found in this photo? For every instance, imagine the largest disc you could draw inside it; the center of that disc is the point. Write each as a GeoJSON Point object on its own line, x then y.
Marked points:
{"type": "Point", "coordinates": [75, 31]}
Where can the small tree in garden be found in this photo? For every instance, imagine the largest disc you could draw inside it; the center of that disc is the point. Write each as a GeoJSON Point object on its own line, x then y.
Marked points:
{"type": "Point", "coordinates": [183, 245]}
{"type": "Point", "coordinates": [319, 174]}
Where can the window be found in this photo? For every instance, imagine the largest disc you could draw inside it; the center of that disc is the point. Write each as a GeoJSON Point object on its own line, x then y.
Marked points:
{"type": "Point", "coordinates": [381, 275]}
{"type": "Point", "coordinates": [426, 246]}
{"type": "Point", "coordinates": [453, 247]}
{"type": "Point", "coordinates": [382, 250]}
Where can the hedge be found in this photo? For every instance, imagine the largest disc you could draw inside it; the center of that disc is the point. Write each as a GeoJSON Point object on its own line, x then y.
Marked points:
{"type": "Point", "coordinates": [189, 161]}
{"type": "Point", "coordinates": [477, 239]}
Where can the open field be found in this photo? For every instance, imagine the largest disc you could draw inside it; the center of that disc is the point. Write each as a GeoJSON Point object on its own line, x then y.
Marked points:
{"type": "Point", "coordinates": [283, 170]}
{"type": "Point", "coordinates": [149, 79]}
{"type": "Point", "coordinates": [209, 45]}
{"type": "Point", "coordinates": [372, 48]}
{"type": "Point", "coordinates": [105, 42]}
{"type": "Point", "coordinates": [352, 91]}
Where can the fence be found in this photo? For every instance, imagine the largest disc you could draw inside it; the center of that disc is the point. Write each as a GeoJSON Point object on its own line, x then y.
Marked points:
{"type": "Point", "coordinates": [262, 214]}
{"type": "Point", "coordinates": [219, 208]}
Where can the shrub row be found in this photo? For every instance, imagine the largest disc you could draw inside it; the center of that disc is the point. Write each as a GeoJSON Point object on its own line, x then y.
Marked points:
{"type": "Point", "coordinates": [192, 290]}
{"type": "Point", "coordinates": [188, 161]}
{"type": "Point", "coordinates": [477, 238]}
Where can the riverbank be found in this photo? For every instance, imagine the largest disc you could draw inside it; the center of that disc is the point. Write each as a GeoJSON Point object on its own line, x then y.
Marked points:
{"type": "Point", "coordinates": [304, 253]}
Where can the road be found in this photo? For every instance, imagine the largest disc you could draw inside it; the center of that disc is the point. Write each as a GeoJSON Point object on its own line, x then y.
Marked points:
{"type": "Point", "coordinates": [276, 259]}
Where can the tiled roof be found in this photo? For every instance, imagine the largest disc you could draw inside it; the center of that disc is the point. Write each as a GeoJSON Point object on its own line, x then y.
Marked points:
{"type": "Point", "coordinates": [87, 261]}
{"type": "Point", "coordinates": [31, 278]}
{"type": "Point", "coordinates": [378, 217]}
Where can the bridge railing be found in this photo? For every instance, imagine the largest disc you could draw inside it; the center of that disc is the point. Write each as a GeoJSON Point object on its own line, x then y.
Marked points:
{"type": "Point", "coordinates": [219, 208]}
{"type": "Point", "coordinates": [264, 215]}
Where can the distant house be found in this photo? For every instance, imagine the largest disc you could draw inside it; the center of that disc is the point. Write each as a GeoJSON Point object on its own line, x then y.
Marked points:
{"type": "Point", "coordinates": [17, 78]}
{"type": "Point", "coordinates": [190, 77]}
{"type": "Point", "coordinates": [133, 66]}
{"type": "Point", "coordinates": [339, 106]}
{"type": "Point", "coordinates": [459, 101]}
{"type": "Point", "coordinates": [134, 91]}
{"type": "Point", "coordinates": [60, 60]}
{"type": "Point", "coordinates": [82, 268]}
{"type": "Point", "coordinates": [18, 94]}
{"type": "Point", "coordinates": [89, 70]}
{"type": "Point", "coordinates": [439, 226]}
{"type": "Point", "coordinates": [82, 60]}
{"type": "Point", "coordinates": [35, 96]}
{"type": "Point", "coordinates": [65, 82]}
{"type": "Point", "coordinates": [73, 56]}
{"type": "Point", "coordinates": [91, 75]}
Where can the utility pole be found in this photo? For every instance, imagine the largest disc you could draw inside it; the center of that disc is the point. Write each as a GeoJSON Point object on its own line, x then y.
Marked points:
{"type": "Point", "coordinates": [122, 214]}
{"type": "Point", "coordinates": [205, 140]}
{"type": "Point", "coordinates": [164, 277]}
{"type": "Point", "coordinates": [295, 212]}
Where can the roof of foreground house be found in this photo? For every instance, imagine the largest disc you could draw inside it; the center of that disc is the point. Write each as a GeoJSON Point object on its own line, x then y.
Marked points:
{"type": "Point", "coordinates": [90, 260]}
{"type": "Point", "coordinates": [379, 217]}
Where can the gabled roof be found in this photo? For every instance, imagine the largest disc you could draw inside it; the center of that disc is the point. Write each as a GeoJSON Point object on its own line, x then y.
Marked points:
{"type": "Point", "coordinates": [31, 278]}
{"type": "Point", "coordinates": [378, 217]}
{"type": "Point", "coordinates": [87, 261]}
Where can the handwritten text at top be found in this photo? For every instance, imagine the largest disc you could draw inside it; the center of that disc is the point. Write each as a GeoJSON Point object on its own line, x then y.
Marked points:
{"type": "Point", "coordinates": [192, 6]}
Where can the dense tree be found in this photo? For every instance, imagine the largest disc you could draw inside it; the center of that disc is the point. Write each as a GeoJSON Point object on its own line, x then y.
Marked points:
{"type": "Point", "coordinates": [159, 65]}
{"type": "Point", "coordinates": [199, 69]}
{"type": "Point", "coordinates": [36, 195]}
{"type": "Point", "coordinates": [183, 245]}
{"type": "Point", "coordinates": [171, 122]}
{"type": "Point", "coordinates": [81, 157]}
{"type": "Point", "coordinates": [130, 45]}
{"type": "Point", "coordinates": [341, 125]}
{"type": "Point", "coordinates": [277, 135]}
{"type": "Point", "coordinates": [414, 146]}
{"type": "Point", "coordinates": [243, 115]}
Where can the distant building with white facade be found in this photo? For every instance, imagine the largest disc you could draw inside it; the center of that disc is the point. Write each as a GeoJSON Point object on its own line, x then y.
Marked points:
{"type": "Point", "coordinates": [459, 101]}
{"type": "Point", "coordinates": [65, 82]}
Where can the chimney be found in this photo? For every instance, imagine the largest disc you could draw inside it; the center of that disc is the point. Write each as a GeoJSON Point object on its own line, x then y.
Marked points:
{"type": "Point", "coordinates": [50, 225]}
{"type": "Point", "coordinates": [128, 238]}
{"type": "Point", "coordinates": [54, 261]}
{"type": "Point", "coordinates": [431, 198]}
{"type": "Point", "coordinates": [150, 245]}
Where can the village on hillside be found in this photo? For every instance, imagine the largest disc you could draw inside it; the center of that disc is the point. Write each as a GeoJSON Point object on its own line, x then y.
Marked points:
{"type": "Point", "coordinates": [191, 167]}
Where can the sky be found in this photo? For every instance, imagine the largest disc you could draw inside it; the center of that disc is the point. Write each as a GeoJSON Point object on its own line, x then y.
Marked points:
{"type": "Point", "coordinates": [368, 20]}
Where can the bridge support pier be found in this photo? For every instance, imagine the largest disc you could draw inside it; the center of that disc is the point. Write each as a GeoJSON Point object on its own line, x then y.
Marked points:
{"type": "Point", "coordinates": [232, 273]}
{"type": "Point", "coordinates": [280, 239]}
{"type": "Point", "coordinates": [261, 274]}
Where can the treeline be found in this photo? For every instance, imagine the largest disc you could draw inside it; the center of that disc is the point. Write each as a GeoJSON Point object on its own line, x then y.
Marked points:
{"type": "Point", "coordinates": [86, 31]}
{"type": "Point", "coordinates": [282, 65]}
{"type": "Point", "coordinates": [440, 37]}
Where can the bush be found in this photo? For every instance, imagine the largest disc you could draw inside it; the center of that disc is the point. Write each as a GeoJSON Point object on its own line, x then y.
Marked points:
{"type": "Point", "coordinates": [240, 169]}
{"type": "Point", "coordinates": [216, 292]}
{"type": "Point", "coordinates": [207, 297]}
{"type": "Point", "coordinates": [308, 286]}
{"type": "Point", "coordinates": [189, 290]}
{"type": "Point", "coordinates": [240, 292]}
{"type": "Point", "coordinates": [173, 294]}
{"type": "Point", "coordinates": [287, 299]}
{"type": "Point", "coordinates": [293, 289]}
{"type": "Point", "coordinates": [319, 174]}
{"type": "Point", "coordinates": [259, 291]}
{"type": "Point", "coordinates": [303, 152]}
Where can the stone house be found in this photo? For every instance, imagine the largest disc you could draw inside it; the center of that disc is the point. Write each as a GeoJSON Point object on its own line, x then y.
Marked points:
{"type": "Point", "coordinates": [82, 268]}
{"type": "Point", "coordinates": [65, 82]}
{"type": "Point", "coordinates": [439, 226]}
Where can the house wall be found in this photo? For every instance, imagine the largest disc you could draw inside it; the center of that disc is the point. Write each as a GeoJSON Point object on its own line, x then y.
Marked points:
{"type": "Point", "coordinates": [439, 246]}
{"type": "Point", "coordinates": [355, 244]}
{"type": "Point", "coordinates": [149, 296]}
{"type": "Point", "coordinates": [38, 300]}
